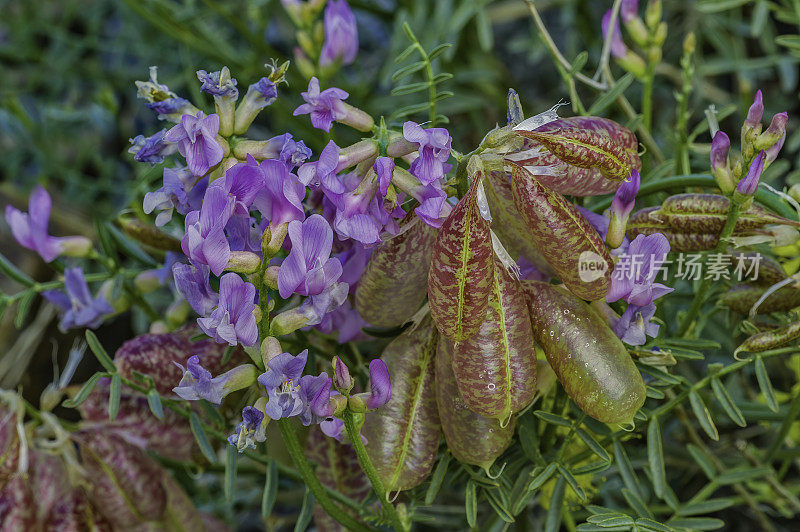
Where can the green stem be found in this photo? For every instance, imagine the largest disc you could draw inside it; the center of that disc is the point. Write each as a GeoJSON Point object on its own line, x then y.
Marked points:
{"type": "Point", "coordinates": [647, 96]}
{"type": "Point", "coordinates": [705, 283]}
{"type": "Point", "coordinates": [369, 470]}
{"type": "Point", "coordinates": [311, 480]}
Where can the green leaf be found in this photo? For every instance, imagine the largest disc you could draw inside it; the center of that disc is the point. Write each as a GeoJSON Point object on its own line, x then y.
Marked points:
{"type": "Point", "coordinates": [226, 356]}
{"type": "Point", "coordinates": [595, 447]}
{"type": "Point", "coordinates": [471, 503]}
{"type": "Point", "coordinates": [410, 88]}
{"type": "Point", "coordinates": [542, 477]}
{"type": "Point", "coordinates": [654, 393]}
{"type": "Point", "coordinates": [743, 474]}
{"type": "Point", "coordinates": [702, 415]}
{"type": "Point", "coordinates": [611, 95]}
{"type": "Point", "coordinates": [718, 6]}
{"type": "Point", "coordinates": [99, 352]}
{"type": "Point", "coordinates": [629, 477]}
{"type": "Point", "coordinates": [727, 403]}
{"type": "Point", "coordinates": [24, 308]}
{"type": "Point", "coordinates": [765, 384]}
{"type": "Point", "coordinates": [270, 489]}
{"type": "Point", "coordinates": [15, 273]}
{"type": "Point", "coordinates": [114, 392]}
{"type": "Point", "coordinates": [130, 248]}
{"type": "Point", "coordinates": [592, 467]}
{"type": "Point", "coordinates": [529, 439]}
{"type": "Point", "coordinates": [407, 70]}
{"type": "Point", "coordinates": [499, 506]}
{"type": "Point", "coordinates": [552, 522]}
{"type": "Point", "coordinates": [202, 440]}
{"type": "Point", "coordinates": [231, 454]}
{"type": "Point", "coordinates": [84, 392]}
{"type": "Point", "coordinates": [610, 520]}
{"type": "Point", "coordinates": [306, 512]}
{"type": "Point", "coordinates": [702, 460]}
{"type": "Point", "coordinates": [572, 481]}
{"type": "Point", "coordinates": [411, 109]}
{"type": "Point", "coordinates": [154, 402]}
{"type": "Point", "coordinates": [646, 525]}
{"type": "Point", "coordinates": [437, 478]}
{"type": "Point", "coordinates": [553, 418]}
{"type": "Point", "coordinates": [485, 35]}
{"type": "Point", "coordinates": [697, 523]}
{"type": "Point", "coordinates": [706, 507]}
{"type": "Point", "coordinates": [789, 41]}
{"type": "Point", "coordinates": [406, 53]}
{"type": "Point", "coordinates": [439, 50]}
{"type": "Point", "coordinates": [442, 77]}
{"type": "Point", "coordinates": [655, 455]}
{"type": "Point", "coordinates": [635, 502]}
{"type": "Point", "coordinates": [579, 62]}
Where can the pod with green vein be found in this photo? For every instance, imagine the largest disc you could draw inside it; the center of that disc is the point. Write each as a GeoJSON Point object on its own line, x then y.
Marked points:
{"type": "Point", "coordinates": [565, 238]}
{"type": "Point", "coordinates": [460, 276]}
{"type": "Point", "coordinates": [388, 292]}
{"type": "Point", "coordinates": [403, 436]}
{"type": "Point", "coordinates": [591, 363]}
{"type": "Point", "coordinates": [495, 369]}
{"type": "Point", "coordinates": [707, 213]}
{"type": "Point", "coordinates": [742, 297]}
{"type": "Point", "coordinates": [472, 438]}
{"type": "Point", "coordinates": [766, 340]}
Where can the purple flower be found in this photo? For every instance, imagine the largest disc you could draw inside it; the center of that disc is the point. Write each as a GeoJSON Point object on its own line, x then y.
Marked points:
{"type": "Point", "coordinates": [379, 384]}
{"type": "Point", "coordinates": [79, 307]}
{"type": "Point", "coordinates": [354, 261]}
{"type": "Point", "coordinates": [629, 10]}
{"type": "Point", "coordinates": [354, 220]}
{"type": "Point", "coordinates": [249, 430]}
{"type": "Point", "coordinates": [772, 151]}
{"type": "Point", "coordinates": [635, 273]}
{"type": "Point", "coordinates": [324, 107]}
{"type": "Point", "coordinates": [749, 183]}
{"type": "Point", "coordinates": [172, 108]}
{"type": "Point", "coordinates": [164, 274]}
{"type": "Point", "coordinates": [261, 93]}
{"type": "Point", "coordinates": [341, 34]}
{"type": "Point", "coordinates": [204, 241]}
{"type": "Point", "coordinates": [244, 234]}
{"type": "Point", "coordinates": [309, 387]}
{"type": "Point", "coordinates": [720, 147]}
{"type": "Point", "coordinates": [191, 282]}
{"type": "Point", "coordinates": [196, 137]}
{"type": "Point", "coordinates": [293, 153]}
{"type": "Point", "coordinates": [243, 181]}
{"type": "Point", "coordinates": [280, 199]}
{"type": "Point", "coordinates": [334, 428]}
{"type": "Point", "coordinates": [756, 111]}
{"type": "Point", "coordinates": [618, 48]}
{"type": "Point", "coordinates": [625, 197]}
{"type": "Point", "coordinates": [322, 173]}
{"type": "Point", "coordinates": [384, 166]}
{"type": "Point", "coordinates": [429, 209]}
{"type": "Point", "coordinates": [197, 383]}
{"type": "Point", "coordinates": [775, 131]}
{"type": "Point", "coordinates": [162, 100]}
{"type": "Point", "coordinates": [30, 229]}
{"type": "Point", "coordinates": [317, 306]}
{"type": "Point", "coordinates": [309, 269]}
{"type": "Point", "coordinates": [233, 320]}
{"type": "Point", "coordinates": [634, 324]}
{"type": "Point", "coordinates": [282, 381]}
{"type": "Point", "coordinates": [178, 191]}
{"type": "Point", "coordinates": [434, 150]}
{"type": "Point", "coordinates": [151, 149]}
{"type": "Point", "coordinates": [218, 84]}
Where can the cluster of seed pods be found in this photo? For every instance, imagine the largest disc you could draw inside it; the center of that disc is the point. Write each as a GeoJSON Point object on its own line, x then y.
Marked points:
{"type": "Point", "coordinates": [468, 363]}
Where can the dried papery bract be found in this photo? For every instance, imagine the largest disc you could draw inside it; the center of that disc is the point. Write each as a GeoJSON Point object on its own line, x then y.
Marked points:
{"type": "Point", "coordinates": [495, 369]}
{"type": "Point", "coordinates": [472, 438]}
{"type": "Point", "coordinates": [589, 142]}
{"type": "Point", "coordinates": [460, 276]}
{"type": "Point", "coordinates": [566, 240]}
{"type": "Point", "coordinates": [389, 291]}
{"type": "Point", "coordinates": [403, 435]}
{"type": "Point", "coordinates": [589, 360]}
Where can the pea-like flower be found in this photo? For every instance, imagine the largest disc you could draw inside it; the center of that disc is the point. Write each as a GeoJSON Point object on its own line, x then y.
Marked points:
{"type": "Point", "coordinates": [280, 199]}
{"type": "Point", "coordinates": [323, 106]}
{"type": "Point", "coordinates": [192, 283]}
{"type": "Point", "coordinates": [341, 34]}
{"type": "Point", "coordinates": [434, 151]}
{"type": "Point", "coordinates": [152, 149]}
{"type": "Point", "coordinates": [309, 268]}
{"type": "Point", "coordinates": [634, 325]}
{"type": "Point", "coordinates": [322, 172]}
{"type": "Point", "coordinates": [380, 389]}
{"type": "Point", "coordinates": [233, 320]}
{"type": "Point", "coordinates": [79, 307]}
{"type": "Point", "coordinates": [248, 431]}
{"type": "Point", "coordinates": [204, 240]}
{"type": "Point", "coordinates": [197, 382]}
{"type": "Point", "coordinates": [196, 137]}
{"type": "Point", "coordinates": [634, 276]}
{"type": "Point", "coordinates": [749, 183]}
{"type": "Point", "coordinates": [178, 192]}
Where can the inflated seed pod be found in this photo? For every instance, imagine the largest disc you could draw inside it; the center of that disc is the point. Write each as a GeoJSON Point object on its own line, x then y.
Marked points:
{"type": "Point", "coordinates": [495, 369]}
{"type": "Point", "coordinates": [472, 438]}
{"type": "Point", "coordinates": [390, 289]}
{"type": "Point", "coordinates": [766, 340]}
{"type": "Point", "coordinates": [508, 225]}
{"type": "Point", "coordinates": [9, 445]}
{"type": "Point", "coordinates": [565, 238]}
{"type": "Point", "coordinates": [589, 142]}
{"type": "Point", "coordinates": [403, 435]}
{"type": "Point", "coordinates": [461, 268]}
{"type": "Point", "coordinates": [742, 297]}
{"type": "Point", "coordinates": [769, 270]}
{"type": "Point", "coordinates": [18, 505]}
{"type": "Point", "coordinates": [589, 360]}
{"type": "Point", "coordinates": [74, 513]}
{"type": "Point", "coordinates": [707, 213]}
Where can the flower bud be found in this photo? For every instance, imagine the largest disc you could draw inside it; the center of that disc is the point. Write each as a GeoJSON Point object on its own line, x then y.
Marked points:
{"type": "Point", "coordinates": [270, 348]}
{"type": "Point", "coordinates": [749, 184]}
{"type": "Point", "coordinates": [147, 281]}
{"type": "Point", "coordinates": [621, 207]}
{"type": "Point", "coordinates": [752, 125]}
{"type": "Point", "coordinates": [177, 313]}
{"type": "Point", "coordinates": [773, 134]}
{"type": "Point", "coordinates": [355, 153]}
{"type": "Point", "coordinates": [272, 239]}
{"type": "Point", "coordinates": [772, 151]}
{"type": "Point", "coordinates": [239, 378]}
{"type": "Point", "coordinates": [259, 95]}
{"type": "Point", "coordinates": [243, 262]}
{"type": "Point", "coordinates": [652, 14]}
{"type": "Point", "coordinates": [341, 376]}
{"type": "Point", "coordinates": [720, 147]}
{"type": "Point", "coordinates": [398, 146]}
{"type": "Point", "coordinates": [356, 118]}
{"type": "Point", "coordinates": [287, 322]}
{"type": "Point", "coordinates": [76, 246]}
{"type": "Point", "coordinates": [514, 114]}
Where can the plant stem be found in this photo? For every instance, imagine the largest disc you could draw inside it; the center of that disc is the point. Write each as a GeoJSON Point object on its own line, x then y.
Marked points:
{"type": "Point", "coordinates": [369, 470]}
{"type": "Point", "coordinates": [311, 480]}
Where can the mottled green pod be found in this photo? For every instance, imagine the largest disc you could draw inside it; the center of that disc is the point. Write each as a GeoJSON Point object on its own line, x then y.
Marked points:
{"type": "Point", "coordinates": [741, 299]}
{"type": "Point", "coordinates": [495, 369]}
{"type": "Point", "coordinates": [507, 223]}
{"type": "Point", "coordinates": [389, 292]}
{"type": "Point", "coordinates": [571, 246]}
{"type": "Point", "coordinates": [403, 436]}
{"type": "Point", "coordinates": [460, 276]}
{"type": "Point", "coordinates": [472, 438]}
{"type": "Point", "coordinates": [707, 213]}
{"type": "Point", "coordinates": [589, 142]}
{"type": "Point", "coordinates": [769, 270]}
{"type": "Point", "coordinates": [771, 339]}
{"type": "Point", "coordinates": [589, 360]}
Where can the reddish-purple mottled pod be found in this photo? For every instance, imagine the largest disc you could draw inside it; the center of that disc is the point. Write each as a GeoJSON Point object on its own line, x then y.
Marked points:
{"type": "Point", "coordinates": [122, 481]}
{"type": "Point", "coordinates": [389, 292]}
{"type": "Point", "coordinates": [589, 360]}
{"type": "Point", "coordinates": [707, 213]}
{"type": "Point", "coordinates": [472, 438]}
{"type": "Point", "coordinates": [742, 297]}
{"type": "Point", "coordinates": [170, 437]}
{"type": "Point", "coordinates": [338, 469]}
{"type": "Point", "coordinates": [507, 223]}
{"type": "Point", "coordinates": [461, 269]}
{"type": "Point", "coordinates": [495, 369]}
{"type": "Point", "coordinates": [9, 445]}
{"type": "Point", "coordinates": [155, 354]}
{"type": "Point", "coordinates": [589, 142]}
{"type": "Point", "coordinates": [571, 246]}
{"type": "Point", "coordinates": [403, 435]}
{"type": "Point", "coordinates": [766, 340]}
{"type": "Point", "coordinates": [74, 513]}
{"type": "Point", "coordinates": [180, 508]}
{"type": "Point", "coordinates": [48, 478]}
{"type": "Point", "coordinates": [17, 506]}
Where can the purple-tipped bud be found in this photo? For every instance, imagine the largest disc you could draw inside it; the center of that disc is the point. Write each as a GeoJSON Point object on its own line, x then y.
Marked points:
{"type": "Point", "coordinates": [755, 112]}
{"type": "Point", "coordinates": [749, 183]}
{"type": "Point", "coordinates": [772, 151]}
{"type": "Point", "coordinates": [776, 130]}
{"type": "Point", "coordinates": [618, 48]}
{"type": "Point", "coordinates": [629, 10]}
{"type": "Point", "coordinates": [720, 147]}
{"type": "Point", "coordinates": [380, 386]}
{"type": "Point", "coordinates": [326, 403]}
{"type": "Point", "coordinates": [621, 207]}
{"type": "Point", "coordinates": [341, 375]}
